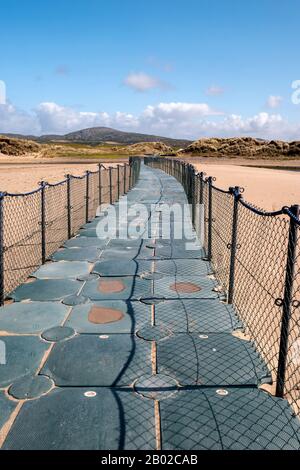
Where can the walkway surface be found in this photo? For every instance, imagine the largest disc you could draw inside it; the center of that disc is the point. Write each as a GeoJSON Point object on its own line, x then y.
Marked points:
{"type": "Point", "coordinates": [125, 344]}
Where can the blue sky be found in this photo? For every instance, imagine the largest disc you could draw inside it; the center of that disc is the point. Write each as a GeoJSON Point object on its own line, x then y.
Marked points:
{"type": "Point", "coordinates": [186, 68]}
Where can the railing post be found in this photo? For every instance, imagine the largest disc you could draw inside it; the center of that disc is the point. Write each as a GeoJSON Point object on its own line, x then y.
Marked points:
{"type": "Point", "coordinates": [187, 188]}
{"type": "Point", "coordinates": [287, 301]}
{"type": "Point", "coordinates": [87, 196]}
{"type": "Point", "coordinates": [181, 173]}
{"type": "Point", "coordinates": [110, 185]}
{"type": "Point", "coordinates": [2, 195]}
{"type": "Point", "coordinates": [69, 220]}
{"type": "Point", "coordinates": [100, 184]}
{"type": "Point", "coordinates": [193, 185]}
{"type": "Point", "coordinates": [184, 176]}
{"type": "Point", "coordinates": [187, 174]}
{"type": "Point", "coordinates": [190, 183]}
{"type": "Point", "coordinates": [43, 221]}
{"type": "Point", "coordinates": [233, 245]}
{"type": "Point", "coordinates": [209, 231]}
{"type": "Point", "coordinates": [130, 174]}
{"type": "Point", "coordinates": [124, 180]}
{"type": "Point", "coordinates": [118, 169]}
{"type": "Point", "coordinates": [133, 174]}
{"type": "Point", "coordinates": [201, 199]}
{"type": "Point", "coordinates": [135, 171]}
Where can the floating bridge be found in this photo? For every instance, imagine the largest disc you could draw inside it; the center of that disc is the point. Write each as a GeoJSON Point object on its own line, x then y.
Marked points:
{"type": "Point", "coordinates": [127, 344]}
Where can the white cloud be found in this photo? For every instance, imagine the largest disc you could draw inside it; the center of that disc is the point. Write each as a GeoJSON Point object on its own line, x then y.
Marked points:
{"type": "Point", "coordinates": [215, 90]}
{"type": "Point", "coordinates": [195, 121]}
{"type": "Point", "coordinates": [127, 120]}
{"type": "Point", "coordinates": [178, 109]}
{"type": "Point", "coordinates": [274, 101]}
{"type": "Point", "coordinates": [53, 119]}
{"type": "Point", "coordinates": [261, 125]}
{"type": "Point", "coordinates": [174, 119]}
{"type": "Point", "coordinates": [164, 117]}
{"type": "Point", "coordinates": [2, 92]}
{"type": "Point", "coordinates": [17, 120]}
{"type": "Point", "coordinates": [143, 82]}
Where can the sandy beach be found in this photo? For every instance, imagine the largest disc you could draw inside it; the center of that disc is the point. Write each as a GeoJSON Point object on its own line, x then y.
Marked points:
{"type": "Point", "coordinates": [25, 175]}
{"type": "Point", "coordinates": [268, 188]}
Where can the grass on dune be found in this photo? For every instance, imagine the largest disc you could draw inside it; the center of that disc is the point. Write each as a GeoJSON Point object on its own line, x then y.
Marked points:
{"type": "Point", "coordinates": [81, 145]}
{"type": "Point", "coordinates": [83, 151]}
{"type": "Point", "coordinates": [91, 156]}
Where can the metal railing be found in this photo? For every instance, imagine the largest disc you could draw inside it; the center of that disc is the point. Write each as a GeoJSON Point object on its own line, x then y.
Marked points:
{"type": "Point", "coordinates": [35, 224]}
{"type": "Point", "coordinates": [255, 258]}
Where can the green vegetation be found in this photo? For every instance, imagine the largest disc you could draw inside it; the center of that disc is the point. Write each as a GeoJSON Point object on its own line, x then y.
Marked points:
{"type": "Point", "coordinates": [80, 145]}
{"type": "Point", "coordinates": [90, 156]}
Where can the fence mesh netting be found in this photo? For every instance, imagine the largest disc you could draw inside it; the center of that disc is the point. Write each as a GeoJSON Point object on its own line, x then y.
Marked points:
{"type": "Point", "coordinates": [21, 238]}
{"type": "Point", "coordinates": [34, 225]}
{"type": "Point", "coordinates": [259, 273]}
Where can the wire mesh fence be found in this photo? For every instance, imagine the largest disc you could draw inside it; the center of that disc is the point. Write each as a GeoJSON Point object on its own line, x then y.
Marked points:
{"type": "Point", "coordinates": [255, 257]}
{"type": "Point", "coordinates": [20, 238]}
{"type": "Point", "coordinates": [34, 225]}
{"type": "Point", "coordinates": [56, 229]}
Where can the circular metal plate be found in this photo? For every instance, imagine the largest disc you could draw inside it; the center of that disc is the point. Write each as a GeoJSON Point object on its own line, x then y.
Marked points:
{"type": "Point", "coordinates": [153, 333]}
{"type": "Point", "coordinates": [72, 300]}
{"type": "Point", "coordinates": [152, 300]}
{"type": "Point", "coordinates": [156, 387]}
{"type": "Point", "coordinates": [30, 387]}
{"type": "Point", "coordinates": [58, 333]}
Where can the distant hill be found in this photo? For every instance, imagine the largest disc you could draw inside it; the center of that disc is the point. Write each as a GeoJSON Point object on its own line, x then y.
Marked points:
{"type": "Point", "coordinates": [97, 135]}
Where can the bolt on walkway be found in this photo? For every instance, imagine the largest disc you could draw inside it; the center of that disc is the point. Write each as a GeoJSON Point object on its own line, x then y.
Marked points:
{"type": "Point", "coordinates": [125, 344]}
